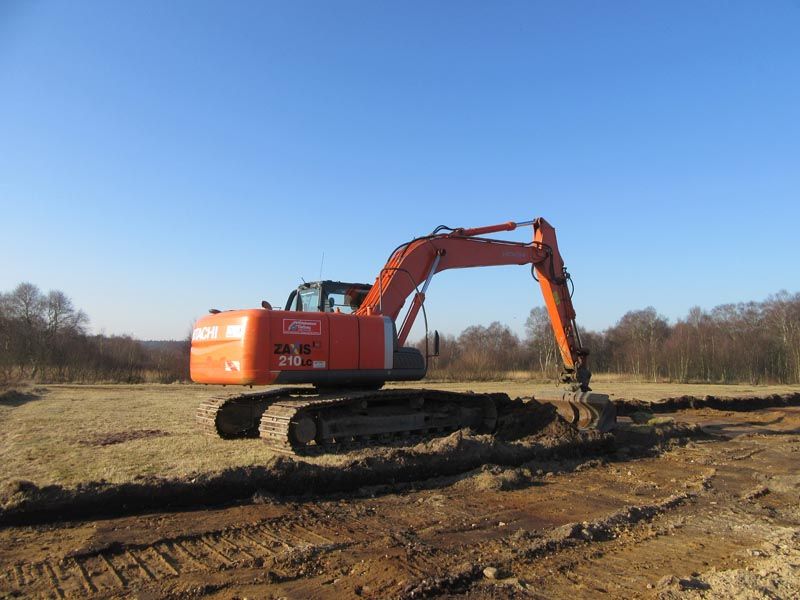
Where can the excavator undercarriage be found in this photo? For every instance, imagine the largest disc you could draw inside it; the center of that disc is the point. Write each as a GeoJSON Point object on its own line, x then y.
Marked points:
{"type": "Point", "coordinates": [303, 421]}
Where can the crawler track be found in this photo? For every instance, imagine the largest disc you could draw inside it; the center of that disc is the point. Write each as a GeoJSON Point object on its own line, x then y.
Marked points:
{"type": "Point", "coordinates": [357, 420]}
{"type": "Point", "coordinates": [238, 416]}
{"type": "Point", "coordinates": [301, 421]}
{"type": "Point", "coordinates": [116, 568]}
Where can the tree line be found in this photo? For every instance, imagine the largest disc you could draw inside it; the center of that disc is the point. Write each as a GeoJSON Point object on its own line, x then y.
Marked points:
{"type": "Point", "coordinates": [752, 342]}
{"type": "Point", "coordinates": [44, 337]}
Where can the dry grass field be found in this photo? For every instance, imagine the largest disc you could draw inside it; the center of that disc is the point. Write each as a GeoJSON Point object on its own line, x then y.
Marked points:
{"type": "Point", "coordinates": [70, 434]}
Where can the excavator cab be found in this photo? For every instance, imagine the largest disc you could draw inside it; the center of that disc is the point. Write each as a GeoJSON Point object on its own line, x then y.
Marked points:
{"type": "Point", "coordinates": [327, 296]}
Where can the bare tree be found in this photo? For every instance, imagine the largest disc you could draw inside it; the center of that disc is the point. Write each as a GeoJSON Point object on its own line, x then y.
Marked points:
{"type": "Point", "coordinates": [636, 341]}
{"type": "Point", "coordinates": [541, 341]}
{"type": "Point", "coordinates": [24, 307]}
{"type": "Point", "coordinates": [62, 316]}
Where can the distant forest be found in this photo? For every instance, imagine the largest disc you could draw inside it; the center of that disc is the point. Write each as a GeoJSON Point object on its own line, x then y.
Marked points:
{"type": "Point", "coordinates": [749, 342]}
{"type": "Point", "coordinates": [44, 338]}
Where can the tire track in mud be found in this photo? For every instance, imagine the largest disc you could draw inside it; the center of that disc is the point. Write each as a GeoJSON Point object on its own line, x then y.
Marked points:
{"type": "Point", "coordinates": [718, 529]}
{"type": "Point", "coordinates": [507, 549]}
{"type": "Point", "coordinates": [286, 549]}
{"type": "Point", "coordinates": [636, 560]}
{"type": "Point", "coordinates": [117, 567]}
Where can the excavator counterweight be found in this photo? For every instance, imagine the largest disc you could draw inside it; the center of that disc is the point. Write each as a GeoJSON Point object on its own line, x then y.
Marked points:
{"type": "Point", "coordinates": [343, 338]}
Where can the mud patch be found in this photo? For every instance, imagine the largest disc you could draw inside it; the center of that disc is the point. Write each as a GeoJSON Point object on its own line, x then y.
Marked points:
{"type": "Point", "coordinates": [604, 529]}
{"type": "Point", "coordinates": [529, 545]}
{"type": "Point", "coordinates": [654, 436]}
{"type": "Point", "coordinates": [524, 417]}
{"type": "Point", "coordinates": [109, 439]}
{"type": "Point", "coordinates": [16, 398]}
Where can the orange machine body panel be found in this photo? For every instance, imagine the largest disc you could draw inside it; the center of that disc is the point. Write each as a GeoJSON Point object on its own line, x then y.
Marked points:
{"type": "Point", "coordinates": [226, 348]}
{"type": "Point", "coordinates": [344, 341]}
{"type": "Point", "coordinates": [334, 349]}
{"type": "Point", "coordinates": [259, 347]}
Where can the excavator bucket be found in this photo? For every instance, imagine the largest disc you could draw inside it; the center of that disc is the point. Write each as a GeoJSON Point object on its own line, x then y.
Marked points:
{"type": "Point", "coordinates": [585, 410]}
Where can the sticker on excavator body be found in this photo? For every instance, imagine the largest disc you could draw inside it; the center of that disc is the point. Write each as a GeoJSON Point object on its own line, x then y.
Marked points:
{"type": "Point", "coordinates": [234, 332]}
{"type": "Point", "coordinates": [205, 333]}
{"type": "Point", "coordinates": [302, 326]}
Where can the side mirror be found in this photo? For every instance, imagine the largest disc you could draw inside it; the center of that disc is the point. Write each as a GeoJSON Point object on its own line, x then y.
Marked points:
{"type": "Point", "coordinates": [435, 343]}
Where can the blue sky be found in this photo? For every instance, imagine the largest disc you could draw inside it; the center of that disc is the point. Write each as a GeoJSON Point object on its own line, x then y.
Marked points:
{"type": "Point", "coordinates": [158, 159]}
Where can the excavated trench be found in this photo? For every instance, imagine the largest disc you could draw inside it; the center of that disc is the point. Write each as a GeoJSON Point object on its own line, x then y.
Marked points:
{"type": "Point", "coordinates": [725, 403]}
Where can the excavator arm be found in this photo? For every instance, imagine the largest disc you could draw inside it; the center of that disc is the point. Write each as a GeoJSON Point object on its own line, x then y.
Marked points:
{"type": "Point", "coordinates": [411, 267]}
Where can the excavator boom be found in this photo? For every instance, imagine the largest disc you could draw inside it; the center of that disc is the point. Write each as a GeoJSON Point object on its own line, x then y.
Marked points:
{"type": "Point", "coordinates": [413, 265]}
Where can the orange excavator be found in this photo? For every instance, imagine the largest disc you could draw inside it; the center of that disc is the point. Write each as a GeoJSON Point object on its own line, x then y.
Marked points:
{"type": "Point", "coordinates": [343, 339]}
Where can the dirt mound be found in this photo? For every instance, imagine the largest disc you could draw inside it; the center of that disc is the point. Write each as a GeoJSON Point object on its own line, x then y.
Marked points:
{"type": "Point", "coordinates": [497, 478]}
{"type": "Point", "coordinates": [745, 404]}
{"type": "Point", "coordinates": [16, 397]}
{"type": "Point", "coordinates": [655, 434]}
{"type": "Point", "coordinates": [525, 417]}
{"type": "Point", "coordinates": [109, 439]}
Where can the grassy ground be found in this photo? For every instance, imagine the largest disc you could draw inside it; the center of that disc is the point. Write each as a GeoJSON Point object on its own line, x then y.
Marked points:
{"type": "Point", "coordinates": [68, 434]}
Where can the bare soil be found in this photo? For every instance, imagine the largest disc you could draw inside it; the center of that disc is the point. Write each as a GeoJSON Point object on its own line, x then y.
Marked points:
{"type": "Point", "coordinates": [695, 498]}
{"type": "Point", "coordinates": [120, 437]}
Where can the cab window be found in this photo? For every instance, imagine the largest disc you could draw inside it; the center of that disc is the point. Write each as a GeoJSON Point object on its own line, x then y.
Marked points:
{"type": "Point", "coordinates": [308, 300]}
{"type": "Point", "coordinates": [338, 300]}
